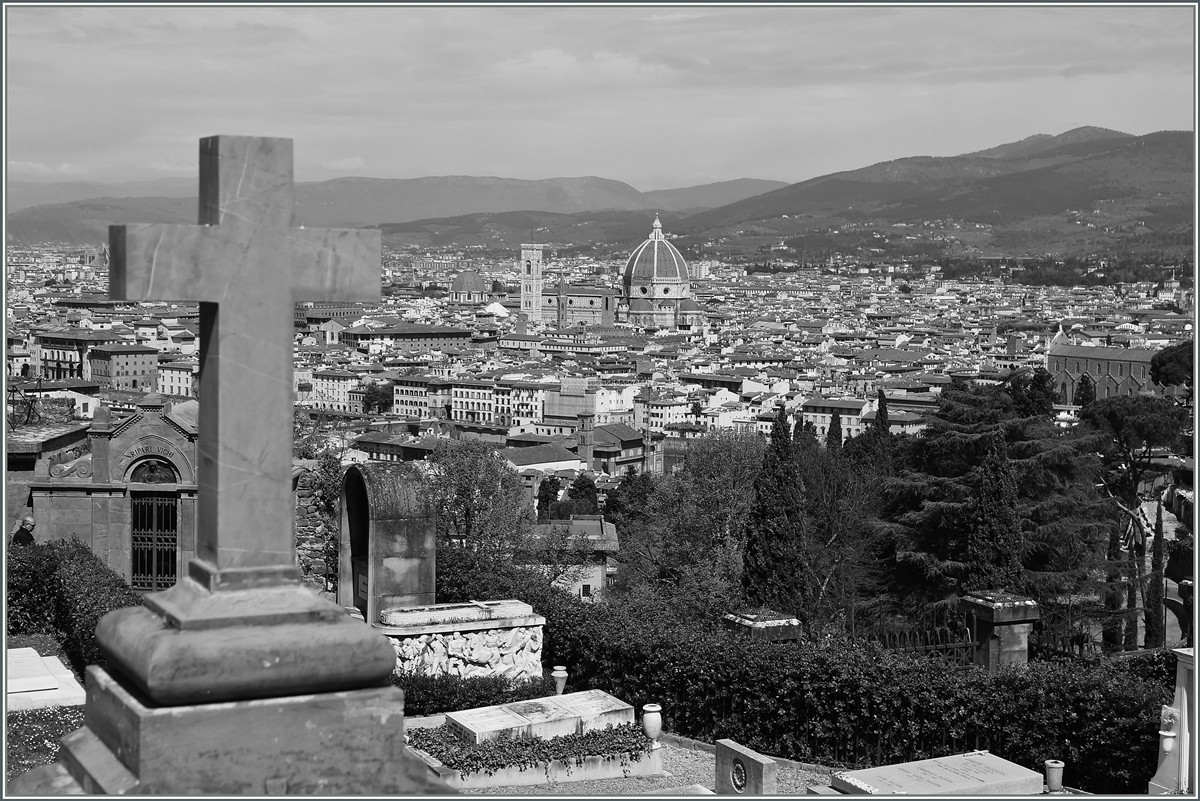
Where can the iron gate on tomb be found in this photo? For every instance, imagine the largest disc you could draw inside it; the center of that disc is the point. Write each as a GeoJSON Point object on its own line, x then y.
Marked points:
{"type": "Point", "coordinates": [155, 540]}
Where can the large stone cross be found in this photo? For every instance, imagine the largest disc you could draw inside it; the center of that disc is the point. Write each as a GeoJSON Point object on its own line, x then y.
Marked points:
{"type": "Point", "coordinates": [247, 266]}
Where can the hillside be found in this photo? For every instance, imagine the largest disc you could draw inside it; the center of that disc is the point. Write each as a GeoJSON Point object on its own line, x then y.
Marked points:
{"type": "Point", "coordinates": [24, 194]}
{"type": "Point", "coordinates": [349, 202]}
{"type": "Point", "coordinates": [1088, 190]}
{"type": "Point", "coordinates": [1085, 190]}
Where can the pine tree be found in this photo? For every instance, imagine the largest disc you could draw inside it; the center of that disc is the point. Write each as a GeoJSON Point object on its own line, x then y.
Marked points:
{"type": "Point", "coordinates": [983, 484]}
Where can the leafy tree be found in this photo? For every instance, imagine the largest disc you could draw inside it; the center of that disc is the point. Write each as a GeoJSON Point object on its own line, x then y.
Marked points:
{"type": "Point", "coordinates": [686, 547]}
{"type": "Point", "coordinates": [881, 415]}
{"type": "Point", "coordinates": [630, 501]}
{"type": "Point", "coordinates": [839, 547]}
{"type": "Point", "coordinates": [480, 505]}
{"type": "Point", "coordinates": [1173, 366]}
{"type": "Point", "coordinates": [1085, 391]}
{"type": "Point", "coordinates": [583, 490]}
{"type": "Point", "coordinates": [548, 491]}
{"type": "Point", "coordinates": [378, 397]}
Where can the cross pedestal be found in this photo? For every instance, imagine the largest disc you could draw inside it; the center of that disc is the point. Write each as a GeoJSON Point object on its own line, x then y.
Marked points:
{"type": "Point", "coordinates": [238, 679]}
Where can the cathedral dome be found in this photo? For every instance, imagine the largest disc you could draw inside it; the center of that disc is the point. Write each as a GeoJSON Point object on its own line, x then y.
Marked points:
{"type": "Point", "coordinates": [654, 266]}
{"type": "Point", "coordinates": [469, 282]}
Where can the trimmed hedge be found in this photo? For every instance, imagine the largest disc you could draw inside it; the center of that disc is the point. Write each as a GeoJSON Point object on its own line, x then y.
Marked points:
{"type": "Point", "coordinates": [62, 589]}
{"type": "Point", "coordinates": [852, 704]}
{"type": "Point", "coordinates": [432, 695]}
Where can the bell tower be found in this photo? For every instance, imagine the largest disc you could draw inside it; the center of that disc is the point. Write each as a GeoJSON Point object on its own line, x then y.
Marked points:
{"type": "Point", "coordinates": [530, 270]}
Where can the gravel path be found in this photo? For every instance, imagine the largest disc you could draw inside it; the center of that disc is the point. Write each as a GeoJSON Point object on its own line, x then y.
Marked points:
{"type": "Point", "coordinates": [686, 767]}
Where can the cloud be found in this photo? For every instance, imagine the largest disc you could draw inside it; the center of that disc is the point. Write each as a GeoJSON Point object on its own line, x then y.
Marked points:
{"type": "Point", "coordinates": [35, 168]}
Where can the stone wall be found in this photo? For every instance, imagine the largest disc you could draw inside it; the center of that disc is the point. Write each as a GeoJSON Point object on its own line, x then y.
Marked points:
{"type": "Point", "coordinates": [311, 533]}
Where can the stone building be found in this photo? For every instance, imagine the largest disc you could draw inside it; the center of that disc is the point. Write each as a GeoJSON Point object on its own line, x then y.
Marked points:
{"type": "Point", "coordinates": [130, 493]}
{"type": "Point", "coordinates": [1114, 371]}
{"type": "Point", "coordinates": [133, 497]}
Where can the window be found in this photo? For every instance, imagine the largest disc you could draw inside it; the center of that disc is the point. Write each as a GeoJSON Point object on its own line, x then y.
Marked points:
{"type": "Point", "coordinates": [585, 591]}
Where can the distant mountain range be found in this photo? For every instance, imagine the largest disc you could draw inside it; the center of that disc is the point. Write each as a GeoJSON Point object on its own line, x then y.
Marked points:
{"type": "Point", "coordinates": [1086, 190]}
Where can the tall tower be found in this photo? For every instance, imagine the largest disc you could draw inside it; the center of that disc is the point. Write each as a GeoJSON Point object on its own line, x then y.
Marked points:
{"type": "Point", "coordinates": [530, 268]}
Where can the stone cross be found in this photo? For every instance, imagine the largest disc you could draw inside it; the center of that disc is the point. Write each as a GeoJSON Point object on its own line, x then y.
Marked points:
{"type": "Point", "coordinates": [247, 266]}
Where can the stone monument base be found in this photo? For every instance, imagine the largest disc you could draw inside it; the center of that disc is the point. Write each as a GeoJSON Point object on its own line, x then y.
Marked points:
{"type": "Point", "coordinates": [327, 744]}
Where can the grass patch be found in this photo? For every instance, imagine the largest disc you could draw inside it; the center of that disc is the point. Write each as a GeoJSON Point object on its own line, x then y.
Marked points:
{"type": "Point", "coordinates": [33, 735]}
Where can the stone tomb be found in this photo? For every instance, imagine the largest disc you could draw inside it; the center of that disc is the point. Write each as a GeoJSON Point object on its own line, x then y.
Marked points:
{"type": "Point", "coordinates": [974, 773]}
{"type": "Point", "coordinates": [554, 716]}
{"type": "Point", "coordinates": [742, 771]}
{"type": "Point", "coordinates": [483, 638]}
{"type": "Point", "coordinates": [33, 681]}
{"type": "Point", "coordinates": [387, 554]}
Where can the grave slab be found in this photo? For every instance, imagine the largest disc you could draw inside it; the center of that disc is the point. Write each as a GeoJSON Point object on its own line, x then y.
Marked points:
{"type": "Point", "coordinates": [26, 672]}
{"type": "Point", "coordinates": [743, 771]}
{"type": "Point", "coordinates": [66, 690]}
{"type": "Point", "coordinates": [553, 716]}
{"type": "Point", "coordinates": [974, 773]}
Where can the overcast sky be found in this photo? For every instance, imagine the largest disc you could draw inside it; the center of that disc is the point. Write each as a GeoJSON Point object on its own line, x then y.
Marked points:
{"type": "Point", "coordinates": [658, 97]}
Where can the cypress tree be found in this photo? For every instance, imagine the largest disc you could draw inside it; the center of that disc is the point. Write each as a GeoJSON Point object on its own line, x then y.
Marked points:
{"type": "Point", "coordinates": [769, 576]}
{"type": "Point", "coordinates": [833, 439]}
{"type": "Point", "coordinates": [881, 415]}
{"type": "Point", "coordinates": [1085, 391]}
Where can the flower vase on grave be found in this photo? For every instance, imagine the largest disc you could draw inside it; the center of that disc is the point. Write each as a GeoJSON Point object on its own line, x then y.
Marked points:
{"type": "Point", "coordinates": [1054, 774]}
{"type": "Point", "coordinates": [559, 674]}
{"type": "Point", "coordinates": [652, 722]}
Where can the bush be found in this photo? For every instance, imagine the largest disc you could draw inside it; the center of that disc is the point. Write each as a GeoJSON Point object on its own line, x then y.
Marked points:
{"type": "Point", "coordinates": [30, 599]}
{"type": "Point", "coordinates": [62, 589]}
{"type": "Point", "coordinates": [432, 695]}
{"type": "Point", "coordinates": [89, 590]}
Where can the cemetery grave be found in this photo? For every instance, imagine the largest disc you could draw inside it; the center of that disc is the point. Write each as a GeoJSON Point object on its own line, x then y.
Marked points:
{"type": "Point", "coordinates": [35, 682]}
